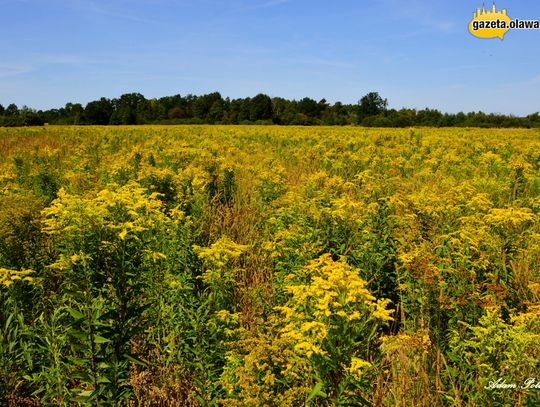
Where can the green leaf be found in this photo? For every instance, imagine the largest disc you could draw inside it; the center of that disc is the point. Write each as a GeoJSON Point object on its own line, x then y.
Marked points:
{"type": "Point", "coordinates": [135, 360]}
{"type": "Point", "coordinates": [317, 392]}
{"type": "Point", "coordinates": [103, 379]}
{"type": "Point", "coordinates": [79, 334]}
{"type": "Point", "coordinates": [100, 339]}
{"type": "Point", "coordinates": [84, 396]}
{"type": "Point", "coordinates": [74, 313]}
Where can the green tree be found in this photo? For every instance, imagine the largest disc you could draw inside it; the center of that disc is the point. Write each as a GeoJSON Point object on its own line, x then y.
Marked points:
{"type": "Point", "coordinates": [239, 110]}
{"type": "Point", "coordinates": [176, 113]}
{"type": "Point", "coordinates": [371, 104]}
{"type": "Point", "coordinates": [260, 108]}
{"type": "Point", "coordinates": [131, 108]}
{"type": "Point", "coordinates": [30, 117]}
{"type": "Point", "coordinates": [279, 106]}
{"type": "Point", "coordinates": [309, 107]}
{"type": "Point", "coordinates": [429, 117]}
{"type": "Point", "coordinates": [73, 113]}
{"type": "Point", "coordinates": [170, 102]}
{"type": "Point", "coordinates": [99, 111]}
{"type": "Point", "coordinates": [12, 110]}
{"type": "Point", "coordinates": [216, 111]}
{"type": "Point", "coordinates": [203, 104]}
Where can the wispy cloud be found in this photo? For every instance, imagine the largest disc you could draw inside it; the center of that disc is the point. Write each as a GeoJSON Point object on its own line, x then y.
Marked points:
{"type": "Point", "coordinates": [38, 61]}
{"type": "Point", "coordinates": [14, 70]}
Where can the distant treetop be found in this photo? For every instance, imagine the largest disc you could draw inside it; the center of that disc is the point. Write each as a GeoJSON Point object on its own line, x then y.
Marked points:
{"type": "Point", "coordinates": [133, 108]}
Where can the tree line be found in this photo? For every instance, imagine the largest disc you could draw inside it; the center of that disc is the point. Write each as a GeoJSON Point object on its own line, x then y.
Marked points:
{"type": "Point", "coordinates": [133, 108]}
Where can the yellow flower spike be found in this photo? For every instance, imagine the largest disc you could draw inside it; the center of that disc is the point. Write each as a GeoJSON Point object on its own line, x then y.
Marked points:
{"type": "Point", "coordinates": [8, 276]}
{"type": "Point", "coordinates": [381, 312]}
{"type": "Point", "coordinates": [122, 235]}
{"type": "Point", "coordinates": [358, 368]}
{"type": "Point", "coordinates": [509, 217]}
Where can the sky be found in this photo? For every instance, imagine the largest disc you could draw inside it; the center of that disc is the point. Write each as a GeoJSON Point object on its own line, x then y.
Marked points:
{"type": "Point", "coordinates": [415, 53]}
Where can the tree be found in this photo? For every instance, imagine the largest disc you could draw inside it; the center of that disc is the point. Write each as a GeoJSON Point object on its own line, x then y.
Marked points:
{"type": "Point", "coordinates": [12, 110]}
{"type": "Point", "coordinates": [279, 106]}
{"type": "Point", "coordinates": [154, 111]}
{"type": "Point", "coordinates": [239, 110]}
{"type": "Point", "coordinates": [309, 107]}
{"type": "Point", "coordinates": [323, 105]}
{"type": "Point", "coordinates": [2, 110]}
{"type": "Point", "coordinates": [534, 119]}
{"type": "Point", "coordinates": [216, 111]}
{"type": "Point", "coordinates": [170, 102]}
{"type": "Point", "coordinates": [73, 113]}
{"type": "Point", "coordinates": [173, 106]}
{"type": "Point", "coordinates": [203, 104]}
{"type": "Point", "coordinates": [176, 113]}
{"type": "Point", "coordinates": [260, 108]}
{"type": "Point", "coordinates": [30, 117]}
{"type": "Point", "coordinates": [99, 111]}
{"type": "Point", "coordinates": [429, 117]}
{"type": "Point", "coordinates": [131, 108]}
{"type": "Point", "coordinates": [371, 104]}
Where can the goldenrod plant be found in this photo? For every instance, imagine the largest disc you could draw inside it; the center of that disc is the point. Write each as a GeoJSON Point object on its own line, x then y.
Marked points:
{"type": "Point", "coordinates": [269, 266]}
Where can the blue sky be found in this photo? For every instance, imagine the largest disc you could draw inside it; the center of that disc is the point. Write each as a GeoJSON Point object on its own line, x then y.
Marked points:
{"type": "Point", "coordinates": [415, 53]}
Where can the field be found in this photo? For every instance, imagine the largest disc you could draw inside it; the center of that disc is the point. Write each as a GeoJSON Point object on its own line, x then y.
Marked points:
{"type": "Point", "coordinates": [269, 266]}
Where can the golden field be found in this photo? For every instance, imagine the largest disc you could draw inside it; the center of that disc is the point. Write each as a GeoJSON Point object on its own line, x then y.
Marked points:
{"type": "Point", "coordinates": [266, 265]}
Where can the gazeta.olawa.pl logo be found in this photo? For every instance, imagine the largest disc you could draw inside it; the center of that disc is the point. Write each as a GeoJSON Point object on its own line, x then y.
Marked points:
{"type": "Point", "coordinates": [496, 23]}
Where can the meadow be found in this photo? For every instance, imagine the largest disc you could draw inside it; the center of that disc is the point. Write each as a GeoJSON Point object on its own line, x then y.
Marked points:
{"type": "Point", "coordinates": [269, 266]}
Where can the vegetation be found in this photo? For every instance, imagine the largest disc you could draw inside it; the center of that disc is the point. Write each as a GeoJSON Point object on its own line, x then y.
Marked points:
{"type": "Point", "coordinates": [265, 265]}
{"type": "Point", "coordinates": [371, 111]}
